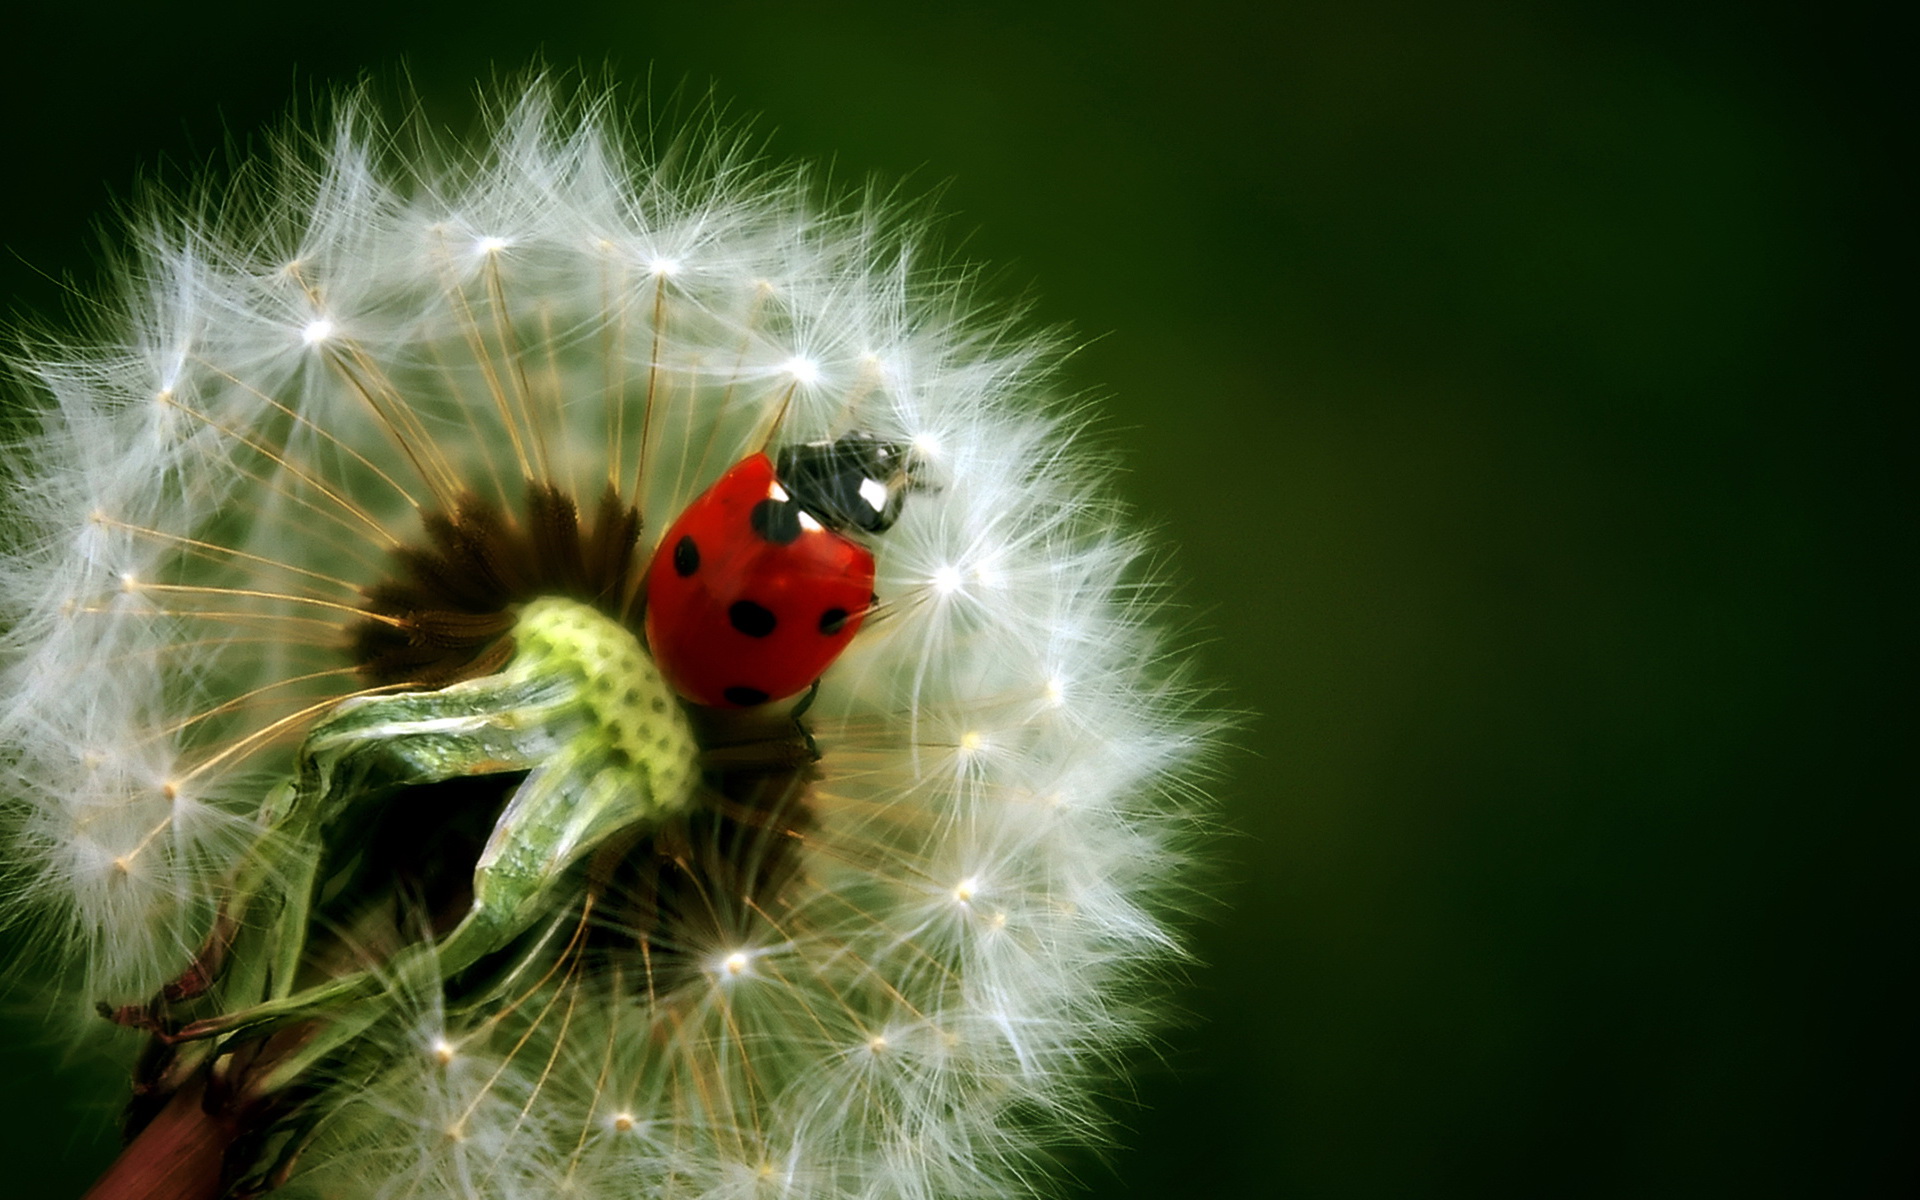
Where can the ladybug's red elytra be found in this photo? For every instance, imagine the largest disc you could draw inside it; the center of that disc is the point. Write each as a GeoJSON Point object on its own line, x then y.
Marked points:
{"type": "Point", "coordinates": [757, 587]}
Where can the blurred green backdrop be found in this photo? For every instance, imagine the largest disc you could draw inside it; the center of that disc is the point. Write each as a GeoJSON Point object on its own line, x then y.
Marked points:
{"type": "Point", "coordinates": [1513, 384]}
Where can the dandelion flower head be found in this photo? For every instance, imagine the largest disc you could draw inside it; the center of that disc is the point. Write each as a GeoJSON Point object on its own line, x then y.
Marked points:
{"type": "Point", "coordinates": [359, 412]}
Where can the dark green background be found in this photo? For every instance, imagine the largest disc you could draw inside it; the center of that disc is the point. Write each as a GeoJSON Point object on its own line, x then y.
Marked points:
{"type": "Point", "coordinates": [1513, 385]}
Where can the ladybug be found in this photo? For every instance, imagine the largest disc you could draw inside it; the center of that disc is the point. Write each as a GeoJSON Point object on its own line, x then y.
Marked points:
{"type": "Point", "coordinates": [758, 587]}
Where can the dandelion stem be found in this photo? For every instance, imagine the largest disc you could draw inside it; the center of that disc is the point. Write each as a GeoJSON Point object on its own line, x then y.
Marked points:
{"type": "Point", "coordinates": [180, 1155]}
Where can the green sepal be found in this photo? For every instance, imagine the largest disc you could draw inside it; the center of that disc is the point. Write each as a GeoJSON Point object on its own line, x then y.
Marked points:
{"type": "Point", "coordinates": [580, 708]}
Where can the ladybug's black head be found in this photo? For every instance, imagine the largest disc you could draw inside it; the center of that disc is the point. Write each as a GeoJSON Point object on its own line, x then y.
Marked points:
{"type": "Point", "coordinates": [855, 482]}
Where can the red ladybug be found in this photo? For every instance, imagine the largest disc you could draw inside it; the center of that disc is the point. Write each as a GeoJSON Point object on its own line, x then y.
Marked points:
{"type": "Point", "coordinates": [757, 588]}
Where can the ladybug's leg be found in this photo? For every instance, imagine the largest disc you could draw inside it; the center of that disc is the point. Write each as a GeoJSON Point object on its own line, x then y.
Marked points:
{"type": "Point", "coordinates": [799, 710]}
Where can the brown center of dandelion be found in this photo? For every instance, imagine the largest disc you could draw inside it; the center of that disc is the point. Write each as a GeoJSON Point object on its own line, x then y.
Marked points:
{"type": "Point", "coordinates": [447, 610]}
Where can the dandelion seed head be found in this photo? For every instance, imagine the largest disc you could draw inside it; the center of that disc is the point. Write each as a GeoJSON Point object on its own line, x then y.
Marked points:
{"type": "Point", "coordinates": [896, 971]}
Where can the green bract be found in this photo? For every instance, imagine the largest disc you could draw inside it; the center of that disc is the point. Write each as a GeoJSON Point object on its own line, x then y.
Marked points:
{"type": "Point", "coordinates": [580, 708]}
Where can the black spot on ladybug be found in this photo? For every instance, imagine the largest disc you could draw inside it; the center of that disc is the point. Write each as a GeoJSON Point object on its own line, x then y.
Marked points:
{"type": "Point", "coordinates": [751, 619]}
{"type": "Point", "coordinates": [686, 557]}
{"type": "Point", "coordinates": [778, 521]}
{"type": "Point", "coordinates": [745, 697]}
{"type": "Point", "coordinates": [833, 621]}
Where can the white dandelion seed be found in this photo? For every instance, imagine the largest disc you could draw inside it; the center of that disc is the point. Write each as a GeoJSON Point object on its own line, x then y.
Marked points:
{"type": "Point", "coordinates": [312, 499]}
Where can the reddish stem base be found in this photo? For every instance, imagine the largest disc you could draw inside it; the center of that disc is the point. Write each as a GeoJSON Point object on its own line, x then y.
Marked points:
{"type": "Point", "coordinates": [180, 1155]}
